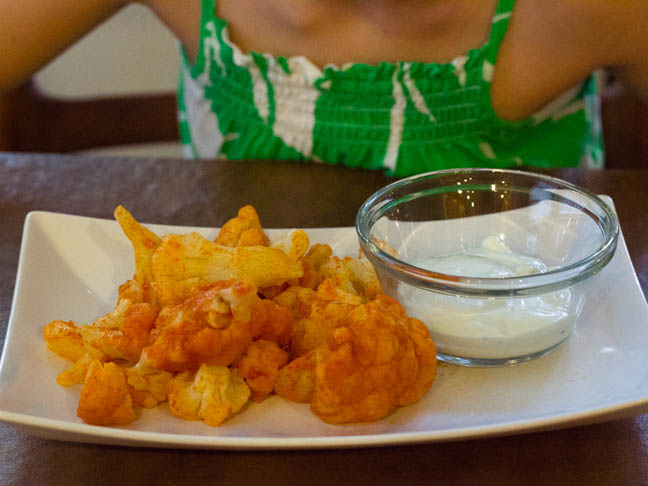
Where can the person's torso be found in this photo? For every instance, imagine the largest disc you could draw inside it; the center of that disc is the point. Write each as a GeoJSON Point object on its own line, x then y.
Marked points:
{"type": "Point", "coordinates": [403, 117]}
{"type": "Point", "coordinates": [336, 32]}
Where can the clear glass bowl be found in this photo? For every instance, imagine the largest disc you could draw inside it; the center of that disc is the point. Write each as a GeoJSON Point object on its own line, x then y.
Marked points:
{"type": "Point", "coordinates": [496, 263]}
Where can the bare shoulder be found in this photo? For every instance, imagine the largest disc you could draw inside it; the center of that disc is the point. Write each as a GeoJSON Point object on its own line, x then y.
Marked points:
{"type": "Point", "coordinates": [609, 34]}
{"type": "Point", "coordinates": [624, 25]}
{"type": "Point", "coordinates": [552, 45]}
{"type": "Point", "coordinates": [599, 23]}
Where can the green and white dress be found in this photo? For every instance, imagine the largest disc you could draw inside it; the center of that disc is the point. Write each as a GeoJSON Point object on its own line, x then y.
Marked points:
{"type": "Point", "coordinates": [403, 118]}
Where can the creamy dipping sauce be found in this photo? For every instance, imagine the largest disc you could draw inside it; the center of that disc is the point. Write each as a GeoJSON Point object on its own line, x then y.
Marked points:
{"type": "Point", "coordinates": [493, 259]}
{"type": "Point", "coordinates": [494, 327]}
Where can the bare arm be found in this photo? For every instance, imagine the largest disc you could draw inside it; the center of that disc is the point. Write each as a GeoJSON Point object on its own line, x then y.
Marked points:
{"type": "Point", "coordinates": [612, 35]}
{"type": "Point", "coordinates": [630, 62]}
{"type": "Point", "coordinates": [32, 32]}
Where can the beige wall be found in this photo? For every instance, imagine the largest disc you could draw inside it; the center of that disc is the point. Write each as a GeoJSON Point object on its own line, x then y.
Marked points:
{"type": "Point", "coordinates": [130, 53]}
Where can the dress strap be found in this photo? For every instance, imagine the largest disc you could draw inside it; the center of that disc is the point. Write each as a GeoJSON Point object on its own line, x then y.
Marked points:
{"type": "Point", "coordinates": [208, 9]}
{"type": "Point", "coordinates": [500, 24]}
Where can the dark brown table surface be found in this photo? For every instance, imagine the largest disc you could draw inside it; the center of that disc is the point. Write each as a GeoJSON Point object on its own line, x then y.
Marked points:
{"type": "Point", "coordinates": [290, 195]}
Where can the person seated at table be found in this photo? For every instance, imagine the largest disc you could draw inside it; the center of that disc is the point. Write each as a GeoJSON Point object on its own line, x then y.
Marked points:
{"type": "Point", "coordinates": [404, 86]}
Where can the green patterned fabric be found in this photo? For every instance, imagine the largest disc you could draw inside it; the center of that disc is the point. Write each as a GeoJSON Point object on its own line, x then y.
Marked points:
{"type": "Point", "coordinates": [403, 118]}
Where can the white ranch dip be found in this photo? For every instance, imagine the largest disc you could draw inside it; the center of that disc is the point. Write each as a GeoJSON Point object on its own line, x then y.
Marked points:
{"type": "Point", "coordinates": [495, 327]}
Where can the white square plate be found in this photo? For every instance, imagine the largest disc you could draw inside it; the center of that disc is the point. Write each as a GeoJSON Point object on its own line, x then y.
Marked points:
{"type": "Point", "coordinates": [70, 268]}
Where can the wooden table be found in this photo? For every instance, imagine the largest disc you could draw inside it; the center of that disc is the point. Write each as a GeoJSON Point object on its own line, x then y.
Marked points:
{"type": "Point", "coordinates": [290, 195]}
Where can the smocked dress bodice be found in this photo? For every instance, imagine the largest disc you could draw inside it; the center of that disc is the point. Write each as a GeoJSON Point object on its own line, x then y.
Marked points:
{"type": "Point", "coordinates": [403, 118]}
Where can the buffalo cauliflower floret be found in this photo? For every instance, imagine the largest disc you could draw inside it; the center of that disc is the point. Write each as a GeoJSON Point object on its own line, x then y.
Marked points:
{"type": "Point", "coordinates": [120, 334]}
{"type": "Point", "coordinates": [259, 367]}
{"type": "Point", "coordinates": [352, 275]}
{"type": "Point", "coordinates": [64, 338]}
{"type": "Point", "coordinates": [379, 360]}
{"type": "Point", "coordinates": [297, 300]}
{"type": "Point", "coordinates": [277, 325]}
{"type": "Point", "coordinates": [144, 242]}
{"type": "Point", "coordinates": [185, 263]}
{"type": "Point", "coordinates": [215, 327]}
{"type": "Point", "coordinates": [296, 380]}
{"type": "Point", "coordinates": [328, 291]}
{"type": "Point", "coordinates": [105, 396]}
{"type": "Point", "coordinates": [148, 387]}
{"type": "Point", "coordinates": [243, 230]}
{"type": "Point", "coordinates": [204, 330]}
{"type": "Point", "coordinates": [76, 375]}
{"type": "Point", "coordinates": [294, 243]}
{"type": "Point", "coordinates": [214, 394]}
{"type": "Point", "coordinates": [314, 330]}
{"type": "Point", "coordinates": [123, 333]}
{"type": "Point", "coordinates": [316, 256]}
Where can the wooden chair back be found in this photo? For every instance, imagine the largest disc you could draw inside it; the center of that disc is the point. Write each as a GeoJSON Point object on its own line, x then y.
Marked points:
{"type": "Point", "coordinates": [31, 121]}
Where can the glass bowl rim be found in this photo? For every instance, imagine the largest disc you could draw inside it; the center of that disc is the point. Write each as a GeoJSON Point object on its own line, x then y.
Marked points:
{"type": "Point", "coordinates": [529, 284]}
